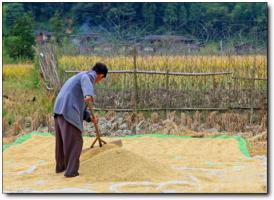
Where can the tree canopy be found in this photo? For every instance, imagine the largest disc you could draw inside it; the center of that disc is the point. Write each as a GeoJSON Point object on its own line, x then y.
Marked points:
{"type": "Point", "coordinates": [204, 21]}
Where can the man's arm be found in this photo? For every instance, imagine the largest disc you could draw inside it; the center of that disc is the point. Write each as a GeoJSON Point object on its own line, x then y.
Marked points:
{"type": "Point", "coordinates": [87, 86]}
{"type": "Point", "coordinates": [88, 92]}
{"type": "Point", "coordinates": [87, 115]}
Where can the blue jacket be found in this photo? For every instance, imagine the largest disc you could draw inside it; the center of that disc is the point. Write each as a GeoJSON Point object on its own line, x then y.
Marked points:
{"type": "Point", "coordinates": [70, 100]}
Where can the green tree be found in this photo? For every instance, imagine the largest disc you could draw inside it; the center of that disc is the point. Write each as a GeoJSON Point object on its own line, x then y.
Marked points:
{"type": "Point", "coordinates": [170, 15]}
{"type": "Point", "coordinates": [11, 12]}
{"type": "Point", "coordinates": [19, 43]}
{"type": "Point", "coordinates": [57, 26]}
{"type": "Point", "coordinates": [182, 16]}
{"type": "Point", "coordinates": [120, 18]}
{"type": "Point", "coordinates": [149, 10]}
{"type": "Point", "coordinates": [216, 20]}
{"type": "Point", "coordinates": [121, 14]}
{"type": "Point", "coordinates": [206, 21]}
{"type": "Point", "coordinates": [86, 13]}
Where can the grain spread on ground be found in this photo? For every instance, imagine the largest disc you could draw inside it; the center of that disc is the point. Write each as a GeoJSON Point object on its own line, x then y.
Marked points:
{"type": "Point", "coordinates": [143, 164]}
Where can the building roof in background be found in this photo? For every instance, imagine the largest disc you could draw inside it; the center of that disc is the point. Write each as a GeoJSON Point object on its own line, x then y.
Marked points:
{"type": "Point", "coordinates": [37, 32]}
{"type": "Point", "coordinates": [167, 37]}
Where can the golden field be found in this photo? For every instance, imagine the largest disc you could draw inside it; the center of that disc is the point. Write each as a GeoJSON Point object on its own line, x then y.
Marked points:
{"type": "Point", "coordinates": [240, 65]}
{"type": "Point", "coordinates": [243, 65]}
{"type": "Point", "coordinates": [16, 70]}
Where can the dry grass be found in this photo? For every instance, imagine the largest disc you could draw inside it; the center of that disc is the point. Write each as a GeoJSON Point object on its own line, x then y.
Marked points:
{"type": "Point", "coordinates": [25, 104]}
{"type": "Point", "coordinates": [16, 70]}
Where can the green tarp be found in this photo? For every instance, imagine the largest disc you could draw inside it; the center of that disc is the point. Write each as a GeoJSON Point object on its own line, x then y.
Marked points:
{"type": "Point", "coordinates": [23, 138]}
{"type": "Point", "coordinates": [241, 141]}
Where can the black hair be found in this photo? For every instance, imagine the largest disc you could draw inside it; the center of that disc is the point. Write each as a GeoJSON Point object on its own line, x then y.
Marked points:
{"type": "Point", "coordinates": [100, 68]}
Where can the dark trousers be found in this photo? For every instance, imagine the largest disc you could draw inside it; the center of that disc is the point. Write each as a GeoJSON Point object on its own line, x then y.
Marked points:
{"type": "Point", "coordinates": [68, 147]}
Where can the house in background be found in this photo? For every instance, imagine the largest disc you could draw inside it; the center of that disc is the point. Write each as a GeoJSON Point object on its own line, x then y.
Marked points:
{"type": "Point", "coordinates": [243, 48]}
{"type": "Point", "coordinates": [85, 43]}
{"type": "Point", "coordinates": [41, 37]}
{"type": "Point", "coordinates": [68, 25]}
{"type": "Point", "coordinates": [181, 43]}
{"type": "Point", "coordinates": [168, 38]}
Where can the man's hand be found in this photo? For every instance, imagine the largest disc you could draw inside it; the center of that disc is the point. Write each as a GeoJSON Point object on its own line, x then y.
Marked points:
{"type": "Point", "coordinates": [94, 120]}
{"type": "Point", "coordinates": [88, 99]}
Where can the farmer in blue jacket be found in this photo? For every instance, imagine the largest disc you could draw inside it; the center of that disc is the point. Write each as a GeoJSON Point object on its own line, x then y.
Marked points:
{"type": "Point", "coordinates": [69, 113]}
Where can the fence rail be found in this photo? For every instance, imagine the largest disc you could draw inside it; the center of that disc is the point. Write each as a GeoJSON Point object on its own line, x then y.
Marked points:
{"type": "Point", "coordinates": [176, 109]}
{"type": "Point", "coordinates": [160, 73]}
{"type": "Point", "coordinates": [167, 106]}
{"type": "Point", "coordinates": [175, 73]}
{"type": "Point", "coordinates": [249, 78]}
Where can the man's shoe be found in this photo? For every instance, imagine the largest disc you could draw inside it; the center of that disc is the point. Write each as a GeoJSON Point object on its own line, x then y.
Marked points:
{"type": "Point", "coordinates": [73, 175]}
{"type": "Point", "coordinates": [59, 171]}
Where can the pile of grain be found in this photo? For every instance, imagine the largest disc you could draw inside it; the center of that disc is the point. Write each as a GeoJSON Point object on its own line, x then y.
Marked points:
{"type": "Point", "coordinates": [117, 164]}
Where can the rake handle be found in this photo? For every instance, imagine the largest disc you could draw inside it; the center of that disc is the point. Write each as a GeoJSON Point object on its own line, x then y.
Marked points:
{"type": "Point", "coordinates": [95, 125]}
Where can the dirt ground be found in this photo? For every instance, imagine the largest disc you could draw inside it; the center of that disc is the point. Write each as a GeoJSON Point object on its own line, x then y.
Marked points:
{"type": "Point", "coordinates": [142, 165]}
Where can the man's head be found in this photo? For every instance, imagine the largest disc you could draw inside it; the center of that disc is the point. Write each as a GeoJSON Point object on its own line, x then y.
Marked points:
{"type": "Point", "coordinates": [101, 71]}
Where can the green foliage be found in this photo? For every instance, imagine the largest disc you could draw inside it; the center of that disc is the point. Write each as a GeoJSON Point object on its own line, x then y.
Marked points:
{"type": "Point", "coordinates": [19, 43]}
{"type": "Point", "coordinates": [205, 21]}
{"type": "Point", "coordinates": [182, 13]}
{"type": "Point", "coordinates": [170, 16]}
{"type": "Point", "coordinates": [12, 45]}
{"type": "Point", "coordinates": [57, 27]}
{"type": "Point", "coordinates": [149, 10]}
{"type": "Point", "coordinates": [121, 15]}
{"type": "Point", "coordinates": [6, 57]}
{"type": "Point", "coordinates": [85, 9]}
{"type": "Point", "coordinates": [11, 12]}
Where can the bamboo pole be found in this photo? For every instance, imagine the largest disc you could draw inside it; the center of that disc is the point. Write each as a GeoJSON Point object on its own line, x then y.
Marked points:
{"type": "Point", "coordinates": [252, 90]}
{"type": "Point", "coordinates": [159, 73]}
{"type": "Point", "coordinates": [176, 109]}
{"type": "Point", "coordinates": [135, 85]}
{"type": "Point", "coordinates": [167, 91]}
{"type": "Point", "coordinates": [249, 78]}
{"type": "Point", "coordinates": [135, 80]}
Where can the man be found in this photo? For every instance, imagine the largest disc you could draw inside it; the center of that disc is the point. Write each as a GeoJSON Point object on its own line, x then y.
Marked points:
{"type": "Point", "coordinates": [69, 113]}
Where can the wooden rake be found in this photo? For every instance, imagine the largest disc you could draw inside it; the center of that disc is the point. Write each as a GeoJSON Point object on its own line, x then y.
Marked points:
{"type": "Point", "coordinates": [98, 132]}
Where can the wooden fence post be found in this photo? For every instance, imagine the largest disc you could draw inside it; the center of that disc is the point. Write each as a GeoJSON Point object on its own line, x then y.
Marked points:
{"type": "Point", "coordinates": [135, 80]}
{"type": "Point", "coordinates": [252, 90]}
{"type": "Point", "coordinates": [135, 106]}
{"type": "Point", "coordinates": [230, 82]}
{"type": "Point", "coordinates": [230, 91]}
{"type": "Point", "coordinates": [47, 59]}
{"type": "Point", "coordinates": [167, 91]}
